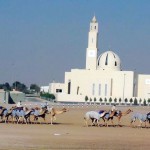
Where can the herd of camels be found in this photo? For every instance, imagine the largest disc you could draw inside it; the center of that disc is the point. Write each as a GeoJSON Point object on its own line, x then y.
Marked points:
{"type": "Point", "coordinates": [23, 115]}
{"type": "Point", "coordinates": [95, 116]}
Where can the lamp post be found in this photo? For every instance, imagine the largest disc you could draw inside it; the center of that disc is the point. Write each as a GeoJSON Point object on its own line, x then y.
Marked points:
{"type": "Point", "coordinates": [123, 84]}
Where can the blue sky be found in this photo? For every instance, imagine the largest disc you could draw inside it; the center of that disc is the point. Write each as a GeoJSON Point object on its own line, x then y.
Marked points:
{"type": "Point", "coordinates": [41, 39]}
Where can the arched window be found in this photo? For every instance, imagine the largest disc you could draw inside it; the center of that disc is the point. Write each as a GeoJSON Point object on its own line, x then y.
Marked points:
{"type": "Point", "coordinates": [78, 90]}
{"type": "Point", "coordinates": [69, 87]}
{"type": "Point", "coordinates": [106, 61]}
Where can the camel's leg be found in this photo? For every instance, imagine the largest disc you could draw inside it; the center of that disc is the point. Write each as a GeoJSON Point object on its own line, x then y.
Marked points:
{"type": "Point", "coordinates": [54, 117]}
{"type": "Point", "coordinates": [104, 121]}
{"type": "Point", "coordinates": [13, 120]}
{"type": "Point", "coordinates": [112, 122]}
{"type": "Point", "coordinates": [51, 120]}
{"type": "Point", "coordinates": [131, 123]}
{"type": "Point", "coordinates": [6, 119]}
{"type": "Point", "coordinates": [145, 124]}
{"type": "Point", "coordinates": [25, 120]}
{"type": "Point", "coordinates": [18, 120]}
{"type": "Point", "coordinates": [92, 122]}
{"type": "Point", "coordinates": [44, 120]}
{"type": "Point", "coordinates": [106, 124]}
{"type": "Point", "coordinates": [97, 122]}
{"type": "Point", "coordinates": [140, 125]}
{"type": "Point", "coordinates": [85, 120]}
{"type": "Point", "coordinates": [119, 121]}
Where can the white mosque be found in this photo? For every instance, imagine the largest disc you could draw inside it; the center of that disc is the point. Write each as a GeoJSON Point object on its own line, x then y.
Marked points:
{"type": "Point", "coordinates": [102, 77]}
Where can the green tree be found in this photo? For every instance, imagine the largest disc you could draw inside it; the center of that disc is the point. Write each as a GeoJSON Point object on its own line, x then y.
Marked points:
{"type": "Point", "coordinates": [1, 86]}
{"type": "Point", "coordinates": [131, 100]}
{"type": "Point", "coordinates": [94, 99]}
{"type": "Point", "coordinates": [52, 97]}
{"type": "Point", "coordinates": [35, 87]}
{"type": "Point", "coordinates": [6, 87]}
{"type": "Point", "coordinates": [126, 100]}
{"type": "Point", "coordinates": [47, 96]}
{"type": "Point", "coordinates": [18, 86]}
{"type": "Point", "coordinates": [119, 100]}
{"type": "Point", "coordinates": [115, 100]}
{"type": "Point", "coordinates": [110, 100]}
{"type": "Point", "coordinates": [135, 102]}
{"type": "Point", "coordinates": [101, 100]}
{"type": "Point", "coordinates": [86, 98]}
{"type": "Point", "coordinates": [144, 103]}
{"type": "Point", "coordinates": [148, 101]}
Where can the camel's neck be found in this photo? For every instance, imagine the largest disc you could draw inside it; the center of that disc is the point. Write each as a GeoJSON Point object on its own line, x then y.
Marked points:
{"type": "Point", "coordinates": [112, 114]}
{"type": "Point", "coordinates": [126, 112]}
{"type": "Point", "coordinates": [58, 112]}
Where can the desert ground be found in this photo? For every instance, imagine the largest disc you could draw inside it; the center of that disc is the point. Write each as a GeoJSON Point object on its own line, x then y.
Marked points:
{"type": "Point", "coordinates": [69, 132]}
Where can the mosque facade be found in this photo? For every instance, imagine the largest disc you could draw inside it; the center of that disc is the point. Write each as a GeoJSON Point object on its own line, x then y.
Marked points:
{"type": "Point", "coordinates": [102, 78]}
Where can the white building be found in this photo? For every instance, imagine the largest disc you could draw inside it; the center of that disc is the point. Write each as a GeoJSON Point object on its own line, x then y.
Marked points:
{"type": "Point", "coordinates": [102, 77]}
{"type": "Point", "coordinates": [44, 89]}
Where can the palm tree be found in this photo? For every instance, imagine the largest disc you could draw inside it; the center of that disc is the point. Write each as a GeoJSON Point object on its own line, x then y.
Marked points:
{"type": "Point", "coordinates": [148, 101]}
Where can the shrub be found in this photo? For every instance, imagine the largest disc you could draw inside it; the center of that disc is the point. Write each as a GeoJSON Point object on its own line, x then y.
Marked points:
{"type": "Point", "coordinates": [135, 102]}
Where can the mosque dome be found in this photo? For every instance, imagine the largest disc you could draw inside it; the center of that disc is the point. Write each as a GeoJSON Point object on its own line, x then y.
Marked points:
{"type": "Point", "coordinates": [109, 61]}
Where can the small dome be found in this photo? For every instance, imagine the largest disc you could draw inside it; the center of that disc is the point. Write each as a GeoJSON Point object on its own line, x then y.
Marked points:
{"type": "Point", "coordinates": [109, 61]}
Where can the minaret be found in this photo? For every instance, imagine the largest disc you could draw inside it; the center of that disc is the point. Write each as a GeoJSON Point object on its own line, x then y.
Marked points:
{"type": "Point", "coordinates": [91, 52]}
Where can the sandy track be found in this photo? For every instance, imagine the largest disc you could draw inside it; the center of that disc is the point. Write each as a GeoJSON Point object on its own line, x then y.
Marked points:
{"type": "Point", "coordinates": [69, 132]}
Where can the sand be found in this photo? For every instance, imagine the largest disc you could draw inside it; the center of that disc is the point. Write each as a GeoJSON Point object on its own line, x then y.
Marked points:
{"type": "Point", "coordinates": [69, 132]}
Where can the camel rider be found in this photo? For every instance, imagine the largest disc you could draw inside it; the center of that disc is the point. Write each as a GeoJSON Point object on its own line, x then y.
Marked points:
{"type": "Point", "coordinates": [44, 105]}
{"type": "Point", "coordinates": [113, 108]}
{"type": "Point", "coordinates": [19, 104]}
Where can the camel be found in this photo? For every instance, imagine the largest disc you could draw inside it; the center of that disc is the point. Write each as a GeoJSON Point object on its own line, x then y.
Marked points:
{"type": "Point", "coordinates": [141, 117]}
{"type": "Point", "coordinates": [19, 113]}
{"type": "Point", "coordinates": [117, 114]}
{"type": "Point", "coordinates": [7, 113]}
{"type": "Point", "coordinates": [94, 116]}
{"type": "Point", "coordinates": [108, 116]}
{"type": "Point", "coordinates": [39, 113]}
{"type": "Point", "coordinates": [3, 112]}
{"type": "Point", "coordinates": [53, 112]}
